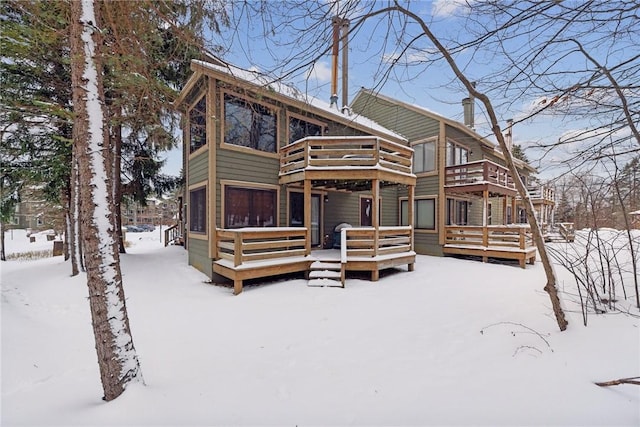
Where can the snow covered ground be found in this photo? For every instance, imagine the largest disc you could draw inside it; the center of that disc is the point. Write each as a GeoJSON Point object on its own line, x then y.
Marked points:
{"type": "Point", "coordinates": [454, 343]}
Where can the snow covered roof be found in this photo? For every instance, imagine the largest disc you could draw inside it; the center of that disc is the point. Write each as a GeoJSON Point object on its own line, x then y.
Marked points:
{"type": "Point", "coordinates": [291, 93]}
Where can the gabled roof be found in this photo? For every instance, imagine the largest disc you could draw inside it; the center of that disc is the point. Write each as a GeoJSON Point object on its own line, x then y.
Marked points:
{"type": "Point", "coordinates": [288, 94]}
{"type": "Point", "coordinates": [435, 116]}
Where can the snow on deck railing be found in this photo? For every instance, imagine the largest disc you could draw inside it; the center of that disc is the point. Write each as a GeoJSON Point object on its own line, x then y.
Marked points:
{"type": "Point", "coordinates": [478, 172]}
{"type": "Point", "coordinates": [345, 152]}
{"type": "Point", "coordinates": [369, 242]}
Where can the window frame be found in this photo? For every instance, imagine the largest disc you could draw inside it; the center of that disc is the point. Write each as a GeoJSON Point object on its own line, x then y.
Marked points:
{"type": "Point", "coordinates": [226, 184]}
{"type": "Point", "coordinates": [456, 146]}
{"type": "Point", "coordinates": [405, 201]}
{"type": "Point", "coordinates": [192, 107]}
{"type": "Point", "coordinates": [198, 233]}
{"type": "Point", "coordinates": [431, 140]}
{"type": "Point", "coordinates": [249, 100]}
{"type": "Point", "coordinates": [290, 115]}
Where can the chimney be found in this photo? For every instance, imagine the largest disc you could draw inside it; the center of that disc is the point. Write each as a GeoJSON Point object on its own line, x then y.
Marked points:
{"type": "Point", "coordinates": [508, 134]}
{"type": "Point", "coordinates": [468, 106]}
{"type": "Point", "coordinates": [345, 65]}
{"type": "Point", "coordinates": [335, 23]}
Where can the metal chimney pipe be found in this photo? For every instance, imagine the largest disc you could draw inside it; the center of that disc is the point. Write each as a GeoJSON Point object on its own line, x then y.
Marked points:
{"type": "Point", "coordinates": [335, 22]}
{"type": "Point", "coordinates": [468, 108]}
{"type": "Point", "coordinates": [508, 137]}
{"type": "Point", "coordinates": [345, 65]}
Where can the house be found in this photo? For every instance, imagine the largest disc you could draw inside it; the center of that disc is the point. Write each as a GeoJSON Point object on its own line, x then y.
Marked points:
{"type": "Point", "coordinates": [35, 212]}
{"type": "Point", "coordinates": [163, 211]}
{"type": "Point", "coordinates": [271, 173]}
{"type": "Point", "coordinates": [465, 200]}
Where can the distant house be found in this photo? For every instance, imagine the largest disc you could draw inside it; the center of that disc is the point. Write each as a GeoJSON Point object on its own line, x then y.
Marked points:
{"type": "Point", "coordinates": [156, 211]}
{"type": "Point", "coordinates": [635, 219]}
{"type": "Point", "coordinates": [274, 176]}
{"type": "Point", "coordinates": [35, 212]}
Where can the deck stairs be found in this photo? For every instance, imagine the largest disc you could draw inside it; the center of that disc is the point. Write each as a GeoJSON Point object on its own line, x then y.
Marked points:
{"type": "Point", "coordinates": [326, 273]}
{"type": "Point", "coordinates": [562, 232]}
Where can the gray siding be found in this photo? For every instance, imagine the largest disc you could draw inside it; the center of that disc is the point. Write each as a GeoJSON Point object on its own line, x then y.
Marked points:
{"type": "Point", "coordinates": [409, 123]}
{"type": "Point", "coordinates": [198, 168]}
{"type": "Point", "coordinates": [199, 256]}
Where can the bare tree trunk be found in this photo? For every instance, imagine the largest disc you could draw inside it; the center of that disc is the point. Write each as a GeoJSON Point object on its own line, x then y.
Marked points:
{"type": "Point", "coordinates": [550, 287]}
{"type": "Point", "coordinates": [117, 183]}
{"type": "Point", "coordinates": [117, 357]}
{"type": "Point", "coordinates": [3, 256]}
{"type": "Point", "coordinates": [75, 242]}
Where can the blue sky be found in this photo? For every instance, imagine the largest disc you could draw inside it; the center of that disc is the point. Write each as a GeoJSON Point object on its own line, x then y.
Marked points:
{"type": "Point", "coordinates": [411, 80]}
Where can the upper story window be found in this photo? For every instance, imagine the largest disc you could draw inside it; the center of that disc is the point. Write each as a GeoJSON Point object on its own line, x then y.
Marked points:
{"type": "Point", "coordinates": [198, 125]}
{"type": "Point", "coordinates": [456, 154]}
{"type": "Point", "coordinates": [249, 124]}
{"type": "Point", "coordinates": [424, 156]}
{"type": "Point", "coordinates": [300, 128]}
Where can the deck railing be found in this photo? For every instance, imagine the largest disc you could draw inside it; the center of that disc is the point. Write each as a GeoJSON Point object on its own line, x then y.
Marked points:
{"type": "Point", "coordinates": [497, 236]}
{"type": "Point", "coordinates": [172, 234]}
{"type": "Point", "coordinates": [260, 244]}
{"type": "Point", "coordinates": [351, 152]}
{"type": "Point", "coordinates": [542, 193]}
{"type": "Point", "coordinates": [478, 172]}
{"type": "Point", "coordinates": [363, 242]}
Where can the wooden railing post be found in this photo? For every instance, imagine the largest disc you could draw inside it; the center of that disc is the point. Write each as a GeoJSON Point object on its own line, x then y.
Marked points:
{"type": "Point", "coordinates": [237, 248]}
{"type": "Point", "coordinates": [485, 236]}
{"type": "Point", "coordinates": [522, 239]}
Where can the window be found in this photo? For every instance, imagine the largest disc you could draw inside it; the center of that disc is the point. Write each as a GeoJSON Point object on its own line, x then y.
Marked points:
{"type": "Point", "coordinates": [299, 128]}
{"type": "Point", "coordinates": [424, 213]}
{"type": "Point", "coordinates": [249, 124]}
{"type": "Point", "coordinates": [457, 212]}
{"type": "Point", "coordinates": [198, 125]}
{"type": "Point", "coordinates": [424, 157]}
{"type": "Point", "coordinates": [456, 154]}
{"type": "Point", "coordinates": [198, 210]}
{"type": "Point", "coordinates": [249, 207]}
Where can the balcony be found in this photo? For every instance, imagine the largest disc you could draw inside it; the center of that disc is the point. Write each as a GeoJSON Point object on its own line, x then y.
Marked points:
{"type": "Point", "coordinates": [542, 194]}
{"type": "Point", "coordinates": [329, 159]}
{"type": "Point", "coordinates": [478, 176]}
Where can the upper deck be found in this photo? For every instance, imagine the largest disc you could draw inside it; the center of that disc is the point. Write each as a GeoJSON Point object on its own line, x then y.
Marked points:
{"type": "Point", "coordinates": [346, 158]}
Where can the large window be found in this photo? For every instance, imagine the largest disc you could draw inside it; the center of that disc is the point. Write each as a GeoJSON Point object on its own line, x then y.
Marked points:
{"type": "Point", "coordinates": [249, 207]}
{"type": "Point", "coordinates": [198, 125]}
{"type": "Point", "coordinates": [424, 213]}
{"type": "Point", "coordinates": [457, 212]}
{"type": "Point", "coordinates": [249, 124]}
{"type": "Point", "coordinates": [299, 128]}
{"type": "Point", "coordinates": [456, 154]}
{"type": "Point", "coordinates": [424, 157]}
{"type": "Point", "coordinates": [198, 210]}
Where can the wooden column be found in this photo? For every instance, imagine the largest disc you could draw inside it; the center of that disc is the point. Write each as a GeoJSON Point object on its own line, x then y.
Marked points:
{"type": "Point", "coordinates": [513, 210]}
{"type": "Point", "coordinates": [485, 205]}
{"type": "Point", "coordinates": [410, 218]}
{"type": "Point", "coordinates": [307, 216]}
{"type": "Point", "coordinates": [410, 211]}
{"type": "Point", "coordinates": [375, 214]}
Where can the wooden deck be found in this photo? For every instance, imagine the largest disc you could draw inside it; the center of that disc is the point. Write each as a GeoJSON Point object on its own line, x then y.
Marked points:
{"type": "Point", "coordinates": [333, 159]}
{"type": "Point", "coordinates": [249, 253]}
{"type": "Point", "coordinates": [478, 176]}
{"type": "Point", "coordinates": [501, 242]}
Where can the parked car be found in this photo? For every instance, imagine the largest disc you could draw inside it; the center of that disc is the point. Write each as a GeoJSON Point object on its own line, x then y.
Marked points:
{"type": "Point", "coordinates": [147, 227]}
{"type": "Point", "coordinates": [133, 229]}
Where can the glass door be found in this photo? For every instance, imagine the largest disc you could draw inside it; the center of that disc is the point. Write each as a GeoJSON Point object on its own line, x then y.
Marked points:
{"type": "Point", "coordinates": [296, 214]}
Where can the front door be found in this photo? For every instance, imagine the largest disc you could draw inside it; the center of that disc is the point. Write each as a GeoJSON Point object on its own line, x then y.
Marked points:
{"type": "Point", "coordinates": [296, 214]}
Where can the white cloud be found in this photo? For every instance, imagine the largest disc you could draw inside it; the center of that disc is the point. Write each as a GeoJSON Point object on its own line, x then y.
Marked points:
{"type": "Point", "coordinates": [320, 71]}
{"type": "Point", "coordinates": [445, 8]}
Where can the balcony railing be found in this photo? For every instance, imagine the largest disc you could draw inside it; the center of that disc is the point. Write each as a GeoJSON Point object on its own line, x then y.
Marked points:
{"type": "Point", "coordinates": [243, 245]}
{"type": "Point", "coordinates": [542, 193]}
{"type": "Point", "coordinates": [499, 237]}
{"type": "Point", "coordinates": [478, 172]}
{"type": "Point", "coordinates": [330, 153]}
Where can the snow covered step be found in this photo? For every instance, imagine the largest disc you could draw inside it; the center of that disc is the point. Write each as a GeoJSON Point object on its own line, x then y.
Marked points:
{"type": "Point", "coordinates": [326, 265]}
{"type": "Point", "coordinates": [328, 274]}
